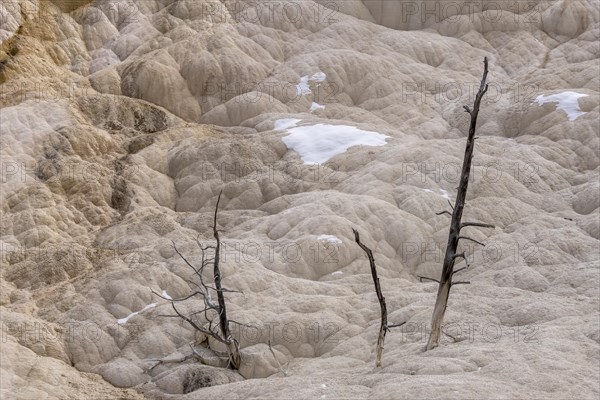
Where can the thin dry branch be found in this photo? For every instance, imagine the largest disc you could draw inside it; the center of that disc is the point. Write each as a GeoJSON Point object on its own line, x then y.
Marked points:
{"type": "Point", "coordinates": [471, 239]}
{"type": "Point", "coordinates": [480, 224]}
{"type": "Point", "coordinates": [458, 270]}
{"type": "Point", "coordinates": [460, 255]}
{"type": "Point", "coordinates": [384, 325]}
{"type": "Point", "coordinates": [283, 371]}
{"type": "Point", "coordinates": [421, 278]}
{"type": "Point", "coordinates": [388, 327]}
{"type": "Point", "coordinates": [168, 361]}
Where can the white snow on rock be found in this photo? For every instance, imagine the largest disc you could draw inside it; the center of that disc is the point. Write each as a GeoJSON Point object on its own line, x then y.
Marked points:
{"type": "Point", "coordinates": [319, 77]}
{"type": "Point", "coordinates": [283, 124]}
{"type": "Point", "coordinates": [122, 321]}
{"type": "Point", "coordinates": [166, 295]}
{"type": "Point", "coordinates": [445, 194]}
{"type": "Point", "coordinates": [337, 273]}
{"type": "Point", "coordinates": [318, 143]}
{"type": "Point", "coordinates": [303, 87]}
{"type": "Point", "coordinates": [316, 106]}
{"type": "Point", "coordinates": [330, 239]}
{"type": "Point", "coordinates": [567, 101]}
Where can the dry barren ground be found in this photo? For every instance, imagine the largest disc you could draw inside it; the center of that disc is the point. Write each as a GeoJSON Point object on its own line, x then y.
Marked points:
{"type": "Point", "coordinates": [122, 121]}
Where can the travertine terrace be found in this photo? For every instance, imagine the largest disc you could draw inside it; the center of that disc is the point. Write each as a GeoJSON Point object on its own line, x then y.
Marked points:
{"type": "Point", "coordinates": [122, 121]}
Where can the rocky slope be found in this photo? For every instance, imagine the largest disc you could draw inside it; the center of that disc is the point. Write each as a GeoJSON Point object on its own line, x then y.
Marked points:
{"type": "Point", "coordinates": [122, 121]}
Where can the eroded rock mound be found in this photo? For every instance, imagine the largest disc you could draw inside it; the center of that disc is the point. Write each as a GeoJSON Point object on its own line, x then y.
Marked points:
{"type": "Point", "coordinates": [121, 123]}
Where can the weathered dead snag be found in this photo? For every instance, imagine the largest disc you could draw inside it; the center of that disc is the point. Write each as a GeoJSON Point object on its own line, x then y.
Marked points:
{"type": "Point", "coordinates": [384, 324]}
{"type": "Point", "coordinates": [445, 282]}
{"type": "Point", "coordinates": [220, 331]}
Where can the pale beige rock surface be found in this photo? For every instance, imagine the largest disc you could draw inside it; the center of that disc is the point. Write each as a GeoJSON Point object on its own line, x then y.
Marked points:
{"type": "Point", "coordinates": [121, 122]}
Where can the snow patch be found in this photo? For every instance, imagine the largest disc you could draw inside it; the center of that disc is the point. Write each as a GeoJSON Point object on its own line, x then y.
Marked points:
{"type": "Point", "coordinates": [303, 87]}
{"type": "Point", "coordinates": [445, 194]}
{"type": "Point", "coordinates": [122, 321]}
{"type": "Point", "coordinates": [166, 295]}
{"type": "Point", "coordinates": [283, 124]}
{"type": "Point", "coordinates": [567, 101]}
{"type": "Point", "coordinates": [319, 77]}
{"type": "Point", "coordinates": [318, 143]}
{"type": "Point", "coordinates": [330, 238]}
{"type": "Point", "coordinates": [316, 106]}
{"type": "Point", "coordinates": [337, 273]}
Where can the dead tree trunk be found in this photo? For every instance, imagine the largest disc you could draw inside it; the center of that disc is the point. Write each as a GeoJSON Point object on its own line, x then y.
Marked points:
{"type": "Point", "coordinates": [384, 327]}
{"type": "Point", "coordinates": [232, 344]}
{"type": "Point", "coordinates": [445, 283]}
{"type": "Point", "coordinates": [223, 334]}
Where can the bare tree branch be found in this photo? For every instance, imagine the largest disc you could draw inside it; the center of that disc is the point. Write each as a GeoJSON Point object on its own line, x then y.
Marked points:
{"type": "Point", "coordinates": [482, 225]}
{"type": "Point", "coordinates": [283, 371]}
{"type": "Point", "coordinates": [388, 327]}
{"type": "Point", "coordinates": [384, 326]}
{"type": "Point", "coordinates": [472, 240]}
{"type": "Point", "coordinates": [460, 255]}
{"type": "Point", "coordinates": [218, 331]}
{"type": "Point", "coordinates": [458, 270]}
{"type": "Point", "coordinates": [181, 299]}
{"type": "Point", "coordinates": [176, 360]}
{"type": "Point", "coordinates": [427, 279]}
{"type": "Point", "coordinates": [239, 323]}
{"type": "Point", "coordinates": [168, 315]}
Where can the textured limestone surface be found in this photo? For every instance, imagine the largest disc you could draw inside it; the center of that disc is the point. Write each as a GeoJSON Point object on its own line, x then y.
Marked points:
{"type": "Point", "coordinates": [122, 121]}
